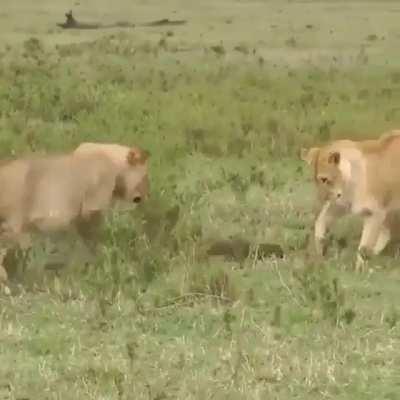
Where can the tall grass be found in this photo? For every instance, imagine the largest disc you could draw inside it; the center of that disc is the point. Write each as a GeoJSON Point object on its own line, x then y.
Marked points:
{"type": "Point", "coordinates": [156, 316]}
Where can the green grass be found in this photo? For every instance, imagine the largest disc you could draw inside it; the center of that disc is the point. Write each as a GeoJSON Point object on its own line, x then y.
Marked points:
{"type": "Point", "coordinates": [156, 317]}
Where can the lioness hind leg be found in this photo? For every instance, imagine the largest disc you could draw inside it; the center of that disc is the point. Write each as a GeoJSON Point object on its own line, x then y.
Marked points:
{"type": "Point", "coordinates": [88, 228]}
{"type": "Point", "coordinates": [4, 280]}
{"type": "Point", "coordinates": [3, 271]}
{"type": "Point", "coordinates": [3, 275]}
{"type": "Point", "coordinates": [10, 237]}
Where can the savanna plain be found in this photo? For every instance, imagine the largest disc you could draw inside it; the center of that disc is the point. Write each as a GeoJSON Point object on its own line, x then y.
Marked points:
{"type": "Point", "coordinates": [179, 303]}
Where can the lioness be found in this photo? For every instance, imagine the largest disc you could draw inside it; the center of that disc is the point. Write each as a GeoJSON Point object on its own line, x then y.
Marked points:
{"type": "Point", "coordinates": [359, 177]}
{"type": "Point", "coordinates": [57, 192]}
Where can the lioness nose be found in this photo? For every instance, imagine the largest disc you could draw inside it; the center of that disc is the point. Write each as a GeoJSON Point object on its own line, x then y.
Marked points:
{"type": "Point", "coordinates": [137, 199]}
{"type": "Point", "coordinates": [339, 195]}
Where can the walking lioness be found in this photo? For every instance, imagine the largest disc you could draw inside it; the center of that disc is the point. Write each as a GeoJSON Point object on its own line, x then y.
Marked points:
{"type": "Point", "coordinates": [57, 192]}
{"type": "Point", "coordinates": [359, 177]}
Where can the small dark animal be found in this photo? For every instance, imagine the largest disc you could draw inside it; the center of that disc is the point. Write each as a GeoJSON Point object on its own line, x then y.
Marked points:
{"type": "Point", "coordinates": [72, 23]}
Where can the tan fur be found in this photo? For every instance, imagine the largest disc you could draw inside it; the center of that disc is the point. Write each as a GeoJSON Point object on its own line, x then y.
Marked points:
{"type": "Point", "coordinates": [132, 161]}
{"type": "Point", "coordinates": [359, 177]}
{"type": "Point", "coordinates": [58, 192]}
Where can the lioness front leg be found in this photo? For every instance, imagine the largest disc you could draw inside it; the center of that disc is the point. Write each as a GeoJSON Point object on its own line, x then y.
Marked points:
{"type": "Point", "coordinates": [10, 236]}
{"type": "Point", "coordinates": [384, 238]}
{"type": "Point", "coordinates": [88, 228]}
{"type": "Point", "coordinates": [373, 226]}
{"type": "Point", "coordinates": [328, 214]}
{"type": "Point", "coordinates": [3, 271]}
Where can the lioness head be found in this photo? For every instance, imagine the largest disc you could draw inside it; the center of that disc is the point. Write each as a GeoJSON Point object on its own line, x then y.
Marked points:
{"type": "Point", "coordinates": [132, 183]}
{"type": "Point", "coordinates": [328, 173]}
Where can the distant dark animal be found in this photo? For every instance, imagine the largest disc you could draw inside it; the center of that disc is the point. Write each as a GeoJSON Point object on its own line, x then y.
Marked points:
{"type": "Point", "coordinates": [72, 23]}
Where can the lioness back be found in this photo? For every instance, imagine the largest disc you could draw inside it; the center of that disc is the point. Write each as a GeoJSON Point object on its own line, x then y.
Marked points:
{"type": "Point", "coordinates": [116, 152]}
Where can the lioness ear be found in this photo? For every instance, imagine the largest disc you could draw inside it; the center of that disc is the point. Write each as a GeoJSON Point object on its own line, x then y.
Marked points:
{"type": "Point", "coordinates": [309, 155]}
{"type": "Point", "coordinates": [137, 156]}
{"type": "Point", "coordinates": [334, 158]}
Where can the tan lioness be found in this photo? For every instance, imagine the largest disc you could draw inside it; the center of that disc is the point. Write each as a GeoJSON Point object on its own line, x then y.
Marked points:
{"type": "Point", "coordinates": [57, 192]}
{"type": "Point", "coordinates": [359, 177]}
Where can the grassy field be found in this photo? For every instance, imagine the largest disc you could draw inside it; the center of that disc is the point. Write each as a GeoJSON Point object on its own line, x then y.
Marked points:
{"type": "Point", "coordinates": [224, 104]}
